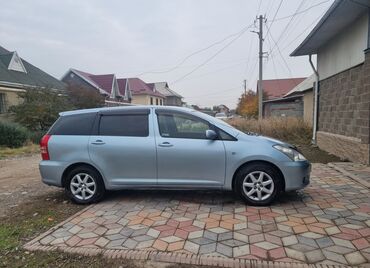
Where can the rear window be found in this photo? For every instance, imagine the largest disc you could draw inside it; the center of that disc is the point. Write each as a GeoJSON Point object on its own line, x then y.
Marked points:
{"type": "Point", "coordinates": [134, 125]}
{"type": "Point", "coordinates": [79, 124]}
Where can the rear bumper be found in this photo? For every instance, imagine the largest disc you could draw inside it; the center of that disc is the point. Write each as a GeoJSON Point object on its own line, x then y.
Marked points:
{"type": "Point", "coordinates": [296, 174]}
{"type": "Point", "coordinates": [51, 172]}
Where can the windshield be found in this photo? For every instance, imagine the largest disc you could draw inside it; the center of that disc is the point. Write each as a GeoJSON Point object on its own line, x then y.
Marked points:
{"type": "Point", "coordinates": [213, 119]}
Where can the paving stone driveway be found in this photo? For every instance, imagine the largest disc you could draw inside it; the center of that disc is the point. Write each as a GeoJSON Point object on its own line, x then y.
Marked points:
{"type": "Point", "coordinates": [328, 222]}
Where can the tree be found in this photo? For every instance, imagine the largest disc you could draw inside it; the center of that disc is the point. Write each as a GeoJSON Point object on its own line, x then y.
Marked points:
{"type": "Point", "coordinates": [84, 98]}
{"type": "Point", "coordinates": [40, 108]}
{"type": "Point", "coordinates": [248, 104]}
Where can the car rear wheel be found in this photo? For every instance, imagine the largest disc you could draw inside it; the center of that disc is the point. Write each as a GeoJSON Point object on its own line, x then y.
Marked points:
{"type": "Point", "coordinates": [258, 184]}
{"type": "Point", "coordinates": [84, 185]}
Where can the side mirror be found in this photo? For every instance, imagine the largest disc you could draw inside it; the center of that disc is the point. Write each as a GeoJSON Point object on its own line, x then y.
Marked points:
{"type": "Point", "coordinates": [211, 134]}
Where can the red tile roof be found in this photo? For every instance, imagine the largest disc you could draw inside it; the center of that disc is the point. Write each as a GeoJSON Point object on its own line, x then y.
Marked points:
{"type": "Point", "coordinates": [135, 85]}
{"type": "Point", "coordinates": [103, 81]}
{"type": "Point", "coordinates": [122, 85]}
{"type": "Point", "coordinates": [277, 88]}
{"type": "Point", "coordinates": [138, 87]}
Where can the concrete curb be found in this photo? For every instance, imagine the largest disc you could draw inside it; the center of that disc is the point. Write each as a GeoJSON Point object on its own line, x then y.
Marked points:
{"type": "Point", "coordinates": [350, 175]}
{"type": "Point", "coordinates": [180, 258]}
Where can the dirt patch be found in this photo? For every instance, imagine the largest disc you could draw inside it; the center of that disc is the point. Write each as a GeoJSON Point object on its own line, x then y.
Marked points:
{"type": "Point", "coordinates": [20, 181]}
{"type": "Point", "coordinates": [315, 155]}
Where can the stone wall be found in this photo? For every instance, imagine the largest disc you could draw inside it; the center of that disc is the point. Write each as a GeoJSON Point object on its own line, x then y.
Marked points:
{"type": "Point", "coordinates": [344, 110]}
{"type": "Point", "coordinates": [347, 148]}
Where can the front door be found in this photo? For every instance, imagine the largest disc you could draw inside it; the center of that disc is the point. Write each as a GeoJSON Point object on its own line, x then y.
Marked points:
{"type": "Point", "coordinates": [123, 148]}
{"type": "Point", "coordinates": [185, 157]}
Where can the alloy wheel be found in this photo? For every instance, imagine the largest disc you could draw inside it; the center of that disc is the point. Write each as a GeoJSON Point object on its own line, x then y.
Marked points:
{"type": "Point", "coordinates": [258, 185]}
{"type": "Point", "coordinates": [83, 186]}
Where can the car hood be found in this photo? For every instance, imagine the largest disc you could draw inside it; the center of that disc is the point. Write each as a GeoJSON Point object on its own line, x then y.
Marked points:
{"type": "Point", "coordinates": [254, 137]}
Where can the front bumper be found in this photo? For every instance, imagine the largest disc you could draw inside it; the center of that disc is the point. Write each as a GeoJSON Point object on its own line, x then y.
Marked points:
{"type": "Point", "coordinates": [296, 174]}
{"type": "Point", "coordinates": [51, 172]}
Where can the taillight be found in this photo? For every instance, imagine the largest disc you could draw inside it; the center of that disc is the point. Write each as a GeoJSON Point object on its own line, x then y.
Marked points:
{"type": "Point", "coordinates": [44, 147]}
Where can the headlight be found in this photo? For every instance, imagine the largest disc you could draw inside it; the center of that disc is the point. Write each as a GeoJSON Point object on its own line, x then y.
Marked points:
{"type": "Point", "coordinates": [291, 153]}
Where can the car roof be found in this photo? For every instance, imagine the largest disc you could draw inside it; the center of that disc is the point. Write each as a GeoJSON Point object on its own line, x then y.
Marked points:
{"type": "Point", "coordinates": [125, 108]}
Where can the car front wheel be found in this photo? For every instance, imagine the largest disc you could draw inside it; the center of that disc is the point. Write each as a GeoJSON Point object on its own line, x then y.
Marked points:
{"type": "Point", "coordinates": [258, 184]}
{"type": "Point", "coordinates": [84, 185]}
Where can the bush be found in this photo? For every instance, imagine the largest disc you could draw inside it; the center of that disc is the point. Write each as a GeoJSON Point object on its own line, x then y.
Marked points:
{"type": "Point", "coordinates": [290, 129]}
{"type": "Point", "coordinates": [40, 108]}
{"type": "Point", "coordinates": [12, 135]}
{"type": "Point", "coordinates": [35, 136]}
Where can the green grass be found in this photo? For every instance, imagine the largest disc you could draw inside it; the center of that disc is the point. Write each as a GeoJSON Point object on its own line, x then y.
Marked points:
{"type": "Point", "coordinates": [24, 150]}
{"type": "Point", "coordinates": [11, 234]}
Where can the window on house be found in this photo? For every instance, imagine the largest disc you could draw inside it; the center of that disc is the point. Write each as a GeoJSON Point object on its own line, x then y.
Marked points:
{"type": "Point", "coordinates": [2, 103]}
{"type": "Point", "coordinates": [160, 102]}
{"type": "Point", "coordinates": [156, 101]}
{"type": "Point", "coordinates": [151, 101]}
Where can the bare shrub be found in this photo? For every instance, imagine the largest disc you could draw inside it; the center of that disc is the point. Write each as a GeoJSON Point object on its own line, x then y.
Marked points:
{"type": "Point", "coordinates": [290, 129]}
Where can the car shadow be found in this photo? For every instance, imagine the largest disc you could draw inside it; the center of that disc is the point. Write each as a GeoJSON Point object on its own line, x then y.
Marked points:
{"type": "Point", "coordinates": [208, 197]}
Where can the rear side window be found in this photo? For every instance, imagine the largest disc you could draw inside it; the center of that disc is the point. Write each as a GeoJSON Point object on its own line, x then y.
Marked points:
{"type": "Point", "coordinates": [134, 125]}
{"type": "Point", "coordinates": [79, 124]}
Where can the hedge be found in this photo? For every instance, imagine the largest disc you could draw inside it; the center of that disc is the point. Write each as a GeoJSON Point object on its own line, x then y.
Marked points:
{"type": "Point", "coordinates": [12, 135]}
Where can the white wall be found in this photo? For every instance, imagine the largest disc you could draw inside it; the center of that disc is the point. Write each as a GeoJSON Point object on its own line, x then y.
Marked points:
{"type": "Point", "coordinates": [345, 50]}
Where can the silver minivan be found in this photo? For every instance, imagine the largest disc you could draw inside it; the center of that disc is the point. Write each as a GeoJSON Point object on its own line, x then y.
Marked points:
{"type": "Point", "coordinates": [90, 151]}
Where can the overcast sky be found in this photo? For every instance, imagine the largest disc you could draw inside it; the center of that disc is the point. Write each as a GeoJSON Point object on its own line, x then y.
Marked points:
{"type": "Point", "coordinates": [151, 38]}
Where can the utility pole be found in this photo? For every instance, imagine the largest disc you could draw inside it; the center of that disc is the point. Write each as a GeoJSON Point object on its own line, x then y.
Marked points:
{"type": "Point", "coordinates": [260, 93]}
{"type": "Point", "coordinates": [245, 86]}
{"type": "Point", "coordinates": [261, 20]}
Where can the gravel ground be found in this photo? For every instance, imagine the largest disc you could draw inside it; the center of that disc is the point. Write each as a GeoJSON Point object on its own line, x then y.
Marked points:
{"type": "Point", "coordinates": [20, 181]}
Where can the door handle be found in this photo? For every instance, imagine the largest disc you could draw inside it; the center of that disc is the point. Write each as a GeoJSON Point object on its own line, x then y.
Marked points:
{"type": "Point", "coordinates": [98, 142]}
{"type": "Point", "coordinates": [165, 144]}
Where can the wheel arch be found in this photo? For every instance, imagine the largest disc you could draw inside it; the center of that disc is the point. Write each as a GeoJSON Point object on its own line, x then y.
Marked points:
{"type": "Point", "coordinates": [74, 165]}
{"type": "Point", "coordinates": [259, 162]}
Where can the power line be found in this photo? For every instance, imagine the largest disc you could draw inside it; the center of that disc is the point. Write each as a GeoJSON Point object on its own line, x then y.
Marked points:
{"type": "Point", "coordinates": [240, 60]}
{"type": "Point", "coordinates": [281, 55]}
{"type": "Point", "coordinates": [276, 12]}
{"type": "Point", "coordinates": [215, 93]}
{"type": "Point", "coordinates": [303, 11]}
{"type": "Point", "coordinates": [226, 38]}
{"type": "Point", "coordinates": [197, 52]}
{"type": "Point", "coordinates": [304, 31]}
{"type": "Point", "coordinates": [287, 26]}
{"type": "Point", "coordinates": [272, 58]}
{"type": "Point", "coordinates": [213, 56]}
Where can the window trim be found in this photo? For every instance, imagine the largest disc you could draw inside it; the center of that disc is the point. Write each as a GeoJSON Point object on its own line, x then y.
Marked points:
{"type": "Point", "coordinates": [3, 103]}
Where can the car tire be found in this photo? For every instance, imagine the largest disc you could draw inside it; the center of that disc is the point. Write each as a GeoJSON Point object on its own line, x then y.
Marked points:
{"type": "Point", "coordinates": [256, 190]}
{"type": "Point", "coordinates": [84, 185]}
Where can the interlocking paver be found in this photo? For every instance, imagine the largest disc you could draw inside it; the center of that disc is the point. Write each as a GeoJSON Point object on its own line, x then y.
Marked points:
{"type": "Point", "coordinates": [241, 251]}
{"type": "Point", "coordinates": [328, 222]}
{"type": "Point", "coordinates": [314, 256]}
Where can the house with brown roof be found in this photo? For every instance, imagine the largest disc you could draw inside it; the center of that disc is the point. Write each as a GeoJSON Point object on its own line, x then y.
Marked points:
{"type": "Point", "coordinates": [142, 93]}
{"type": "Point", "coordinates": [274, 101]}
{"type": "Point", "coordinates": [106, 84]}
{"type": "Point", "coordinates": [172, 98]}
